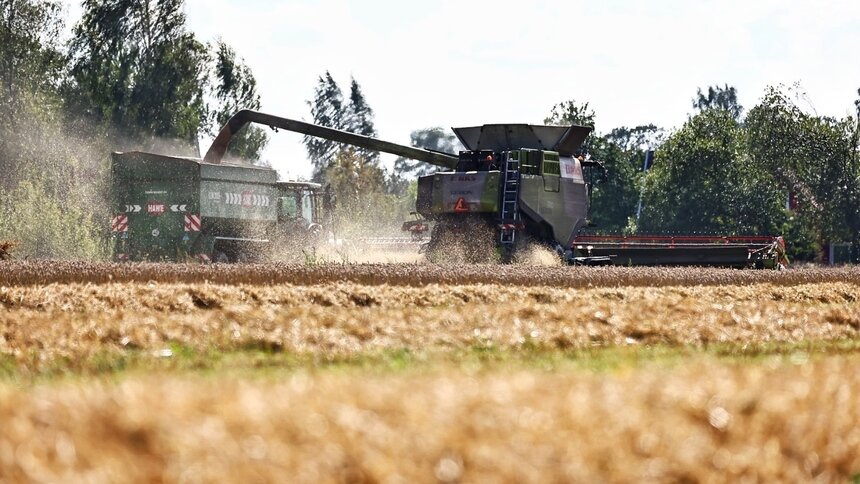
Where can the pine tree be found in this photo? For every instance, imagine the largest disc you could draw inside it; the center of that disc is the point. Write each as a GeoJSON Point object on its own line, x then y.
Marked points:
{"type": "Point", "coordinates": [234, 88]}
{"type": "Point", "coordinates": [360, 120]}
{"type": "Point", "coordinates": [327, 109]}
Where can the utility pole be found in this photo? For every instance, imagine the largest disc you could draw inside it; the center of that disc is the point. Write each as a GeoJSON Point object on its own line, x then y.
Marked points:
{"type": "Point", "coordinates": [649, 158]}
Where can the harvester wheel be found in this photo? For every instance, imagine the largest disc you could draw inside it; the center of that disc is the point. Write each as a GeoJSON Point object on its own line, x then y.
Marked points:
{"type": "Point", "coordinates": [220, 257]}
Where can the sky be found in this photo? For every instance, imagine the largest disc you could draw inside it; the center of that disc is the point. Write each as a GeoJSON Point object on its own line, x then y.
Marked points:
{"type": "Point", "coordinates": [472, 62]}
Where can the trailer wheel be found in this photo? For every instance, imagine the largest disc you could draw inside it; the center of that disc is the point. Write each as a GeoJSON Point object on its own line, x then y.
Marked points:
{"type": "Point", "coordinates": [220, 257]}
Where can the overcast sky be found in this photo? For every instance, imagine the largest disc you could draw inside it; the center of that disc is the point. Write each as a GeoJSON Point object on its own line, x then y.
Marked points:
{"type": "Point", "coordinates": [470, 62]}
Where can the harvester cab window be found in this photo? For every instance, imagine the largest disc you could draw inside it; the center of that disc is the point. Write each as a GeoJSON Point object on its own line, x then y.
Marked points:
{"type": "Point", "coordinates": [484, 160]}
{"type": "Point", "coordinates": [468, 161]}
{"type": "Point", "coordinates": [551, 169]}
{"type": "Point", "coordinates": [288, 207]}
{"type": "Point", "coordinates": [529, 162]}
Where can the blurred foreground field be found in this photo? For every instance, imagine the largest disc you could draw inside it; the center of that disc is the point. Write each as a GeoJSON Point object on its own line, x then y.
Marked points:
{"type": "Point", "coordinates": [375, 373]}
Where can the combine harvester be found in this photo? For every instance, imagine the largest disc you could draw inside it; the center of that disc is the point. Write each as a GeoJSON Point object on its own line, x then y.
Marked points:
{"type": "Point", "coordinates": [514, 185]}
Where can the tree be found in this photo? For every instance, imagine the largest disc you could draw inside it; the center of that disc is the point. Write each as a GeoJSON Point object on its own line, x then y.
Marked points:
{"type": "Point", "coordinates": [570, 112]}
{"type": "Point", "coordinates": [136, 67]}
{"type": "Point", "coordinates": [434, 139]}
{"type": "Point", "coordinates": [30, 59]}
{"type": "Point", "coordinates": [703, 182]}
{"type": "Point", "coordinates": [814, 159]}
{"type": "Point", "coordinates": [615, 199]}
{"type": "Point", "coordinates": [359, 119]}
{"type": "Point", "coordinates": [717, 97]}
{"type": "Point", "coordinates": [327, 109]}
{"type": "Point", "coordinates": [30, 64]}
{"type": "Point", "coordinates": [234, 88]}
{"type": "Point", "coordinates": [363, 206]}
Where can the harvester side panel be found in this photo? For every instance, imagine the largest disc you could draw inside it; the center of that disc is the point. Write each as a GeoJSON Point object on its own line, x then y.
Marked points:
{"type": "Point", "coordinates": [468, 192]}
{"type": "Point", "coordinates": [558, 197]}
{"type": "Point", "coordinates": [239, 201]}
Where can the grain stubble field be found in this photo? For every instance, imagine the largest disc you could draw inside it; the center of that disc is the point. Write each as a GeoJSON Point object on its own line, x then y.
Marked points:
{"type": "Point", "coordinates": [372, 373]}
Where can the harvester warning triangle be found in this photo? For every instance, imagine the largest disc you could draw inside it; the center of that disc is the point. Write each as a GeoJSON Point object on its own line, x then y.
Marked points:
{"type": "Point", "coordinates": [461, 205]}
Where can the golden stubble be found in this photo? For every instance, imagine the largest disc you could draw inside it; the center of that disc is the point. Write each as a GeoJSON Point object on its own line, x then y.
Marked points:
{"type": "Point", "coordinates": [783, 418]}
{"type": "Point", "coordinates": [704, 422]}
{"type": "Point", "coordinates": [17, 273]}
{"type": "Point", "coordinates": [77, 321]}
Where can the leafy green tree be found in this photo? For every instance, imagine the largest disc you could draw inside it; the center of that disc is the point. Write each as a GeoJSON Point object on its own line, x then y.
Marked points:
{"type": "Point", "coordinates": [571, 112]}
{"type": "Point", "coordinates": [30, 59]}
{"type": "Point", "coordinates": [435, 139]}
{"type": "Point", "coordinates": [717, 97]}
{"type": "Point", "coordinates": [234, 88]}
{"type": "Point", "coordinates": [362, 204]}
{"type": "Point", "coordinates": [30, 65]}
{"type": "Point", "coordinates": [703, 182]}
{"type": "Point", "coordinates": [327, 109]}
{"type": "Point", "coordinates": [815, 159]}
{"type": "Point", "coordinates": [136, 66]}
{"type": "Point", "coordinates": [614, 199]}
{"type": "Point", "coordinates": [622, 151]}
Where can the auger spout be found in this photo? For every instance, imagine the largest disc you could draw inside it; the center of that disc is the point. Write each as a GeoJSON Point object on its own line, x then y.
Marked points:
{"type": "Point", "coordinates": [244, 117]}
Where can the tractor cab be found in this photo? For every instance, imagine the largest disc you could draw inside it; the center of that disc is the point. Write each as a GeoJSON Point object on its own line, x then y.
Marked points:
{"type": "Point", "coordinates": [300, 208]}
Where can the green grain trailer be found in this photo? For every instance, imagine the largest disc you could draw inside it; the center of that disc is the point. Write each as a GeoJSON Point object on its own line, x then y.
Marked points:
{"type": "Point", "coordinates": [175, 208]}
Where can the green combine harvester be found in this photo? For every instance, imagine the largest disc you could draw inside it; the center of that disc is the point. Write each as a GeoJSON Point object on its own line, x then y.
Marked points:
{"type": "Point", "coordinates": [514, 185]}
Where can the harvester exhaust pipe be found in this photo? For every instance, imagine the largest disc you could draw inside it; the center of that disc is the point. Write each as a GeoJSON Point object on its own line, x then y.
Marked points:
{"type": "Point", "coordinates": [240, 119]}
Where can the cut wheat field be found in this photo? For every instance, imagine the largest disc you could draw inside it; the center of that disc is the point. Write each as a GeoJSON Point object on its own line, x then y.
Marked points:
{"type": "Point", "coordinates": [416, 372]}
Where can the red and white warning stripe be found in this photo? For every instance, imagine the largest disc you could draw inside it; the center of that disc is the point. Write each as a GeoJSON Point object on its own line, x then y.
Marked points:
{"type": "Point", "coordinates": [119, 223]}
{"type": "Point", "coordinates": [192, 223]}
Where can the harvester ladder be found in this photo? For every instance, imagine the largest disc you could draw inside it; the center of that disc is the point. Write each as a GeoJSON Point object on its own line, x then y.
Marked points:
{"type": "Point", "coordinates": [509, 216]}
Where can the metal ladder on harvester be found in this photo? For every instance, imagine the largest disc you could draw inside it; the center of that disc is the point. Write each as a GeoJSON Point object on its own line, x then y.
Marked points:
{"type": "Point", "coordinates": [509, 216]}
